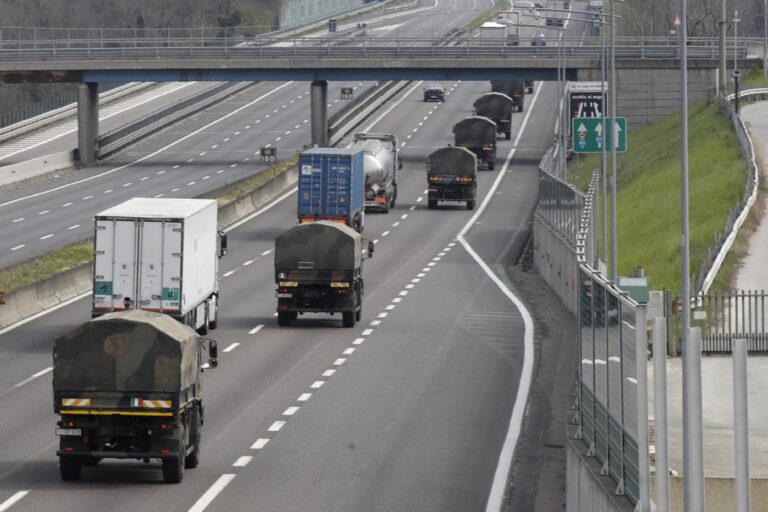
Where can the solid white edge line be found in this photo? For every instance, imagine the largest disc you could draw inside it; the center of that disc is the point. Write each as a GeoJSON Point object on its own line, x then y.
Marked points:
{"type": "Point", "coordinates": [164, 148]}
{"type": "Point", "coordinates": [12, 500]}
{"type": "Point", "coordinates": [212, 492]}
{"type": "Point", "coordinates": [500, 477]}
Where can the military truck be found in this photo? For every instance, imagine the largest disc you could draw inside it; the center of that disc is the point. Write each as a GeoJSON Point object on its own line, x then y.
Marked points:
{"type": "Point", "coordinates": [319, 269]}
{"type": "Point", "coordinates": [127, 385]}
{"type": "Point", "coordinates": [498, 108]}
{"type": "Point", "coordinates": [515, 89]}
{"type": "Point", "coordinates": [452, 176]}
{"type": "Point", "coordinates": [477, 134]}
{"type": "Point", "coordinates": [380, 164]}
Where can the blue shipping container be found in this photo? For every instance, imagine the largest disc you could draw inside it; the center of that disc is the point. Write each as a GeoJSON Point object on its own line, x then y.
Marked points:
{"type": "Point", "coordinates": [331, 183]}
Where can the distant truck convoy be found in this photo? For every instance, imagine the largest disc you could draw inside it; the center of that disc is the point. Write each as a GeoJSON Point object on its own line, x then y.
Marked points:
{"type": "Point", "coordinates": [128, 385]}
{"type": "Point", "coordinates": [380, 163]}
{"type": "Point", "coordinates": [515, 89]}
{"type": "Point", "coordinates": [498, 108]}
{"type": "Point", "coordinates": [477, 134]}
{"type": "Point", "coordinates": [319, 269]}
{"type": "Point", "coordinates": [331, 186]}
{"type": "Point", "coordinates": [452, 176]}
{"type": "Point", "coordinates": [159, 254]}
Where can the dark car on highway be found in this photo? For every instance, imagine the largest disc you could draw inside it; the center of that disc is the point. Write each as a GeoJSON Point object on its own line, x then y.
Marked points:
{"type": "Point", "coordinates": [434, 92]}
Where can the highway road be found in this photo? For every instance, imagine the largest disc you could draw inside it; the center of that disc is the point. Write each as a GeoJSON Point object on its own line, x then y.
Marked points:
{"type": "Point", "coordinates": [416, 408]}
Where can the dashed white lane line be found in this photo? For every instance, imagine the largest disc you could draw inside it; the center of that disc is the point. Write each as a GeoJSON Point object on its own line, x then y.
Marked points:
{"type": "Point", "coordinates": [276, 426]}
{"type": "Point", "coordinates": [409, 286]}
{"type": "Point", "coordinates": [340, 361]}
{"type": "Point", "coordinates": [383, 315]}
{"type": "Point", "coordinates": [207, 177]}
{"type": "Point", "coordinates": [385, 233]}
{"type": "Point", "coordinates": [376, 241]}
{"type": "Point", "coordinates": [230, 273]}
{"type": "Point", "coordinates": [175, 190]}
{"type": "Point", "coordinates": [74, 226]}
{"type": "Point", "coordinates": [127, 184]}
{"type": "Point", "coordinates": [404, 216]}
{"type": "Point", "coordinates": [226, 140]}
{"type": "Point", "coordinates": [304, 397]}
{"type": "Point", "coordinates": [349, 351]}
{"type": "Point", "coordinates": [44, 212]}
{"type": "Point", "coordinates": [160, 172]}
{"type": "Point", "coordinates": [328, 373]}
{"type": "Point", "coordinates": [233, 165]}
{"type": "Point", "coordinates": [426, 191]}
{"type": "Point", "coordinates": [421, 274]}
{"type": "Point", "coordinates": [426, 269]}
{"type": "Point", "coordinates": [415, 280]}
{"type": "Point", "coordinates": [18, 220]}
{"type": "Point", "coordinates": [394, 225]}
{"type": "Point", "coordinates": [256, 329]}
{"type": "Point", "coordinates": [12, 500]}
{"type": "Point", "coordinates": [46, 237]}
{"type": "Point", "coordinates": [437, 258]}
{"type": "Point", "coordinates": [220, 171]}
{"type": "Point", "coordinates": [145, 178]}
{"type": "Point", "coordinates": [397, 299]}
{"type": "Point", "coordinates": [291, 411]}
{"type": "Point", "coordinates": [317, 384]}
{"type": "Point", "coordinates": [237, 133]}
{"type": "Point", "coordinates": [403, 293]}
{"type": "Point", "coordinates": [259, 444]}
{"type": "Point", "coordinates": [216, 145]}
{"type": "Point", "coordinates": [66, 204]}
{"type": "Point", "coordinates": [191, 183]}
{"type": "Point", "coordinates": [419, 199]}
{"type": "Point", "coordinates": [33, 377]}
{"type": "Point", "coordinates": [174, 167]}
{"type": "Point", "coordinates": [278, 139]}
{"type": "Point", "coordinates": [232, 347]}
{"type": "Point", "coordinates": [367, 332]}
{"type": "Point", "coordinates": [390, 307]}
{"type": "Point", "coordinates": [246, 263]}
{"type": "Point", "coordinates": [18, 247]}
{"type": "Point", "coordinates": [358, 341]}
{"type": "Point", "coordinates": [243, 461]}
{"type": "Point", "coordinates": [375, 323]}
{"type": "Point", "coordinates": [431, 264]}
{"type": "Point", "coordinates": [212, 492]}
{"type": "Point", "coordinates": [159, 195]}
{"type": "Point", "coordinates": [266, 252]}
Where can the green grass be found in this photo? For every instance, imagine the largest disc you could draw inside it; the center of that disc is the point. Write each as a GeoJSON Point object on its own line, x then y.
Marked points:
{"type": "Point", "coordinates": [39, 269]}
{"type": "Point", "coordinates": [648, 192]}
{"type": "Point", "coordinates": [754, 78]}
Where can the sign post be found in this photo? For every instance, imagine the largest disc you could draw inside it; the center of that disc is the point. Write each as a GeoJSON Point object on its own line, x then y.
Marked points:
{"type": "Point", "coordinates": [588, 136]}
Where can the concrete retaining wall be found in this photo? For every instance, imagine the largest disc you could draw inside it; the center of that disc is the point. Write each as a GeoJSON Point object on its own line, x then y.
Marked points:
{"type": "Point", "coordinates": [15, 173]}
{"type": "Point", "coordinates": [555, 263]}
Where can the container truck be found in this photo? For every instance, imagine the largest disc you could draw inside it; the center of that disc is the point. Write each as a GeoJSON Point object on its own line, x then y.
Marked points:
{"type": "Point", "coordinates": [515, 89]}
{"type": "Point", "coordinates": [319, 269]}
{"type": "Point", "coordinates": [452, 176]}
{"type": "Point", "coordinates": [380, 164]}
{"type": "Point", "coordinates": [331, 186]}
{"type": "Point", "coordinates": [492, 33]}
{"type": "Point", "coordinates": [128, 385]}
{"type": "Point", "coordinates": [477, 134]}
{"type": "Point", "coordinates": [161, 255]}
{"type": "Point", "coordinates": [498, 108]}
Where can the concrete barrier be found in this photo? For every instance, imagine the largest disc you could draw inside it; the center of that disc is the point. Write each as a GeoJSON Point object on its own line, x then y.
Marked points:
{"type": "Point", "coordinates": [15, 173]}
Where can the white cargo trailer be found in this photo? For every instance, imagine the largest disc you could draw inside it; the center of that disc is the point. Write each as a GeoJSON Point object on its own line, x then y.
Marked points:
{"type": "Point", "coordinates": [159, 255]}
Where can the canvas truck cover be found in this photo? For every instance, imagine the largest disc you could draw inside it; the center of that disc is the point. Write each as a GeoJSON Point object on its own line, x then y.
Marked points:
{"type": "Point", "coordinates": [508, 87]}
{"type": "Point", "coordinates": [474, 132]}
{"type": "Point", "coordinates": [318, 246]}
{"type": "Point", "coordinates": [495, 106]}
{"type": "Point", "coordinates": [132, 350]}
{"type": "Point", "coordinates": [452, 161]}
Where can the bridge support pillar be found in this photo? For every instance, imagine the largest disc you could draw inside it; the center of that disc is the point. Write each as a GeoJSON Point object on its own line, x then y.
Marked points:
{"type": "Point", "coordinates": [319, 112]}
{"type": "Point", "coordinates": [87, 122]}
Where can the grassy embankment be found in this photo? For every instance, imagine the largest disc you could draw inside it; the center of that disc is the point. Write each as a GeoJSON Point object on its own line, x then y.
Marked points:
{"type": "Point", "coordinates": [71, 256]}
{"type": "Point", "coordinates": [648, 193]}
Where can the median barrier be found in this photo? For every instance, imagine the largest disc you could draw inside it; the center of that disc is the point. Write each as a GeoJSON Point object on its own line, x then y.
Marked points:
{"type": "Point", "coordinates": [22, 171]}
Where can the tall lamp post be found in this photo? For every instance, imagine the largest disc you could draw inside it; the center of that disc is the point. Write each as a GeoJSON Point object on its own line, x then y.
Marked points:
{"type": "Point", "coordinates": [736, 74]}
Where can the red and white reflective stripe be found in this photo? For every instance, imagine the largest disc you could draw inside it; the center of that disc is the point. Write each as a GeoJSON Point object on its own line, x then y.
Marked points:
{"type": "Point", "coordinates": [76, 402]}
{"type": "Point", "coordinates": [151, 404]}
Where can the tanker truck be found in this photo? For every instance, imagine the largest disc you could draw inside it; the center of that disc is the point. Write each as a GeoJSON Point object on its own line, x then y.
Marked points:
{"type": "Point", "coordinates": [380, 163]}
{"type": "Point", "coordinates": [319, 269]}
{"type": "Point", "coordinates": [127, 385]}
{"type": "Point", "coordinates": [477, 134]}
{"type": "Point", "coordinates": [515, 89]}
{"type": "Point", "coordinates": [451, 176]}
{"type": "Point", "coordinates": [498, 108]}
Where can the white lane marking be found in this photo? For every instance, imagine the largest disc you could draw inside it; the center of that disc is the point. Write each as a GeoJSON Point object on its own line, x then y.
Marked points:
{"type": "Point", "coordinates": [33, 377]}
{"type": "Point", "coordinates": [390, 307]}
{"type": "Point", "coordinates": [220, 171]}
{"type": "Point", "coordinates": [109, 191]}
{"type": "Point", "coordinates": [452, 244]}
{"type": "Point", "coordinates": [145, 178]}
{"type": "Point", "coordinates": [340, 361]}
{"type": "Point", "coordinates": [409, 137]}
{"type": "Point", "coordinates": [404, 216]}
{"type": "Point", "coordinates": [266, 252]}
{"type": "Point", "coordinates": [230, 273]}
{"type": "Point", "coordinates": [161, 172]}
{"type": "Point", "coordinates": [317, 384]}
{"type": "Point", "coordinates": [191, 183]}
{"type": "Point", "coordinates": [190, 160]}
{"type": "Point", "coordinates": [159, 195]}
{"type": "Point", "coordinates": [243, 461]}
{"type": "Point", "coordinates": [426, 269]}
{"type": "Point", "coordinates": [216, 145]}
{"type": "Point", "coordinates": [383, 315]}
{"type": "Point", "coordinates": [409, 286]}
{"type": "Point", "coordinates": [431, 264]}
{"type": "Point", "coordinates": [419, 199]}
{"type": "Point", "coordinates": [232, 347]}
{"type": "Point", "coordinates": [403, 293]}
{"type": "Point", "coordinates": [145, 157]}
{"type": "Point", "coordinates": [415, 280]}
{"type": "Point", "coordinates": [376, 241]}
{"type": "Point", "coordinates": [328, 373]}
{"type": "Point", "coordinates": [12, 500]}
{"type": "Point", "coordinates": [233, 165]}
{"type": "Point", "coordinates": [375, 323]}
{"type": "Point", "coordinates": [237, 133]}
{"type": "Point", "coordinates": [206, 177]}
{"type": "Point", "coordinates": [256, 329]}
{"type": "Point", "coordinates": [367, 332]}
{"type": "Point", "coordinates": [212, 492]}
{"type": "Point", "coordinates": [304, 397]}
{"type": "Point", "coordinates": [278, 139]}
{"type": "Point", "coordinates": [305, 121]}
{"type": "Point", "coordinates": [174, 167]}
{"type": "Point", "coordinates": [175, 190]}
{"type": "Point", "coordinates": [246, 263]}
{"type": "Point", "coordinates": [291, 411]}
{"type": "Point", "coordinates": [127, 184]}
{"type": "Point", "coordinates": [421, 274]}
{"type": "Point", "coordinates": [18, 220]}
{"type": "Point", "coordinates": [297, 127]}
{"type": "Point", "coordinates": [226, 140]}
{"type": "Point", "coordinates": [45, 237]}
{"type": "Point", "coordinates": [18, 247]}
{"type": "Point", "coordinates": [385, 233]}
{"type": "Point", "coordinates": [397, 299]}
{"type": "Point", "coordinates": [396, 224]}
{"type": "Point", "coordinates": [66, 204]}
{"type": "Point", "coordinates": [349, 351]}
{"type": "Point", "coordinates": [259, 120]}
{"type": "Point", "coordinates": [259, 444]}
{"type": "Point", "coordinates": [75, 226]}
{"type": "Point", "coordinates": [44, 212]}
{"type": "Point", "coordinates": [205, 366]}
{"type": "Point", "coordinates": [288, 132]}
{"type": "Point", "coordinates": [500, 478]}
{"type": "Point", "coordinates": [276, 426]}
{"type": "Point", "coordinates": [437, 258]}
{"type": "Point", "coordinates": [426, 191]}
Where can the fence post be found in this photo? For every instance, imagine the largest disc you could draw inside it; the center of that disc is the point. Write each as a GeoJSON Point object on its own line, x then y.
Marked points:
{"type": "Point", "coordinates": [741, 425]}
{"type": "Point", "coordinates": [660, 413]}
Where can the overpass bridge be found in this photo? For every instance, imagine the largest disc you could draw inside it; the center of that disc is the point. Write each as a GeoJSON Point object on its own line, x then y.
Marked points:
{"type": "Point", "coordinates": [647, 69]}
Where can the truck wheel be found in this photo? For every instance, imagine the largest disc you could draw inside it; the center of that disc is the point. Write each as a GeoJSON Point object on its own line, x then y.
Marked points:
{"type": "Point", "coordinates": [491, 165]}
{"type": "Point", "coordinates": [348, 318]}
{"type": "Point", "coordinates": [173, 467]}
{"type": "Point", "coordinates": [432, 204]}
{"type": "Point", "coordinates": [283, 318]}
{"type": "Point", "coordinates": [193, 459]}
{"type": "Point", "coordinates": [386, 207]}
{"type": "Point", "coordinates": [70, 468]}
{"type": "Point", "coordinates": [470, 205]}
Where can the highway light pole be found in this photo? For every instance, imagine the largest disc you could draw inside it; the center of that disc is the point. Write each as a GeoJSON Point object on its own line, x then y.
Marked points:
{"type": "Point", "coordinates": [612, 98]}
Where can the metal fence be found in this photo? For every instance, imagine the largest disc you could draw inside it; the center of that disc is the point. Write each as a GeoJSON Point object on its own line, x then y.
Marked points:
{"type": "Point", "coordinates": [724, 317]}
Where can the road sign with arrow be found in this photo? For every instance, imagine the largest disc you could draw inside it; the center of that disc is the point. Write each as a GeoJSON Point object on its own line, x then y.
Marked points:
{"type": "Point", "coordinates": [588, 136]}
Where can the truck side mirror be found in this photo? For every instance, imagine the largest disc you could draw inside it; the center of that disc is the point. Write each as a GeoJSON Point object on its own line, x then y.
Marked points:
{"type": "Point", "coordinates": [222, 244]}
{"type": "Point", "coordinates": [213, 353]}
{"type": "Point", "coordinates": [399, 163]}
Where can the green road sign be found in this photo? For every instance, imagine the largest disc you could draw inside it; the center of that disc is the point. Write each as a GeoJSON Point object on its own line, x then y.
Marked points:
{"type": "Point", "coordinates": [587, 134]}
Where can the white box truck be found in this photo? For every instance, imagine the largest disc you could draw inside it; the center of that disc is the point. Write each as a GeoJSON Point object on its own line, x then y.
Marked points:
{"type": "Point", "coordinates": [492, 33]}
{"type": "Point", "coordinates": [159, 255]}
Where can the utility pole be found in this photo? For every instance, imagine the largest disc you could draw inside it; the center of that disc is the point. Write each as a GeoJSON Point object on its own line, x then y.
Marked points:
{"type": "Point", "coordinates": [612, 93]}
{"type": "Point", "coordinates": [723, 77]}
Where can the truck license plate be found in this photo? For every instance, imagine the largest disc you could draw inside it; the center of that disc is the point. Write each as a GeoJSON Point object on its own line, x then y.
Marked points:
{"type": "Point", "coordinates": [69, 432]}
